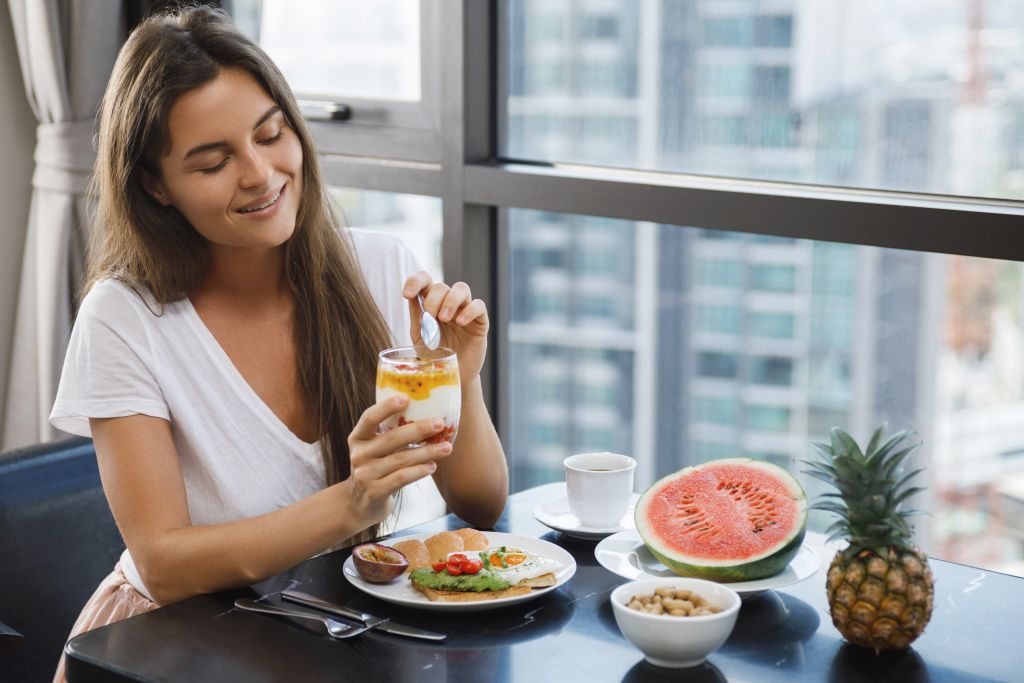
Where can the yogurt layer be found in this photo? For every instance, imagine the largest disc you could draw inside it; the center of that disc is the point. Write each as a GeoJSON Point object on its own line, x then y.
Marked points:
{"type": "Point", "coordinates": [444, 402]}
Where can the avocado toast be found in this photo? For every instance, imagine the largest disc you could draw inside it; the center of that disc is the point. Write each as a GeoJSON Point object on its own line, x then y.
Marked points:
{"type": "Point", "coordinates": [498, 573]}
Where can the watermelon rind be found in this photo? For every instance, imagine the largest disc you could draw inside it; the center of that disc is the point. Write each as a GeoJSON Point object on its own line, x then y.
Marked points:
{"type": "Point", "coordinates": [769, 563]}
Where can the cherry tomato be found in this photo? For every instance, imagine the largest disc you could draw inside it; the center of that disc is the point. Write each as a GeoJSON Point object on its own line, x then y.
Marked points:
{"type": "Point", "coordinates": [472, 566]}
{"type": "Point", "coordinates": [458, 557]}
{"type": "Point", "coordinates": [454, 567]}
{"type": "Point", "coordinates": [439, 566]}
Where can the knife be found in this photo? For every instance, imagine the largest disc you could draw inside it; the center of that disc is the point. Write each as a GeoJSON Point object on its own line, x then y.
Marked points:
{"type": "Point", "coordinates": [387, 626]}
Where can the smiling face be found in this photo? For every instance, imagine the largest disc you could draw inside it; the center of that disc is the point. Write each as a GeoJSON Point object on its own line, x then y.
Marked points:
{"type": "Point", "coordinates": [234, 165]}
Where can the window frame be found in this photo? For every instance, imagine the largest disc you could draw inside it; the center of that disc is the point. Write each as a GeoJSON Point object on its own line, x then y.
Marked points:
{"type": "Point", "coordinates": [389, 129]}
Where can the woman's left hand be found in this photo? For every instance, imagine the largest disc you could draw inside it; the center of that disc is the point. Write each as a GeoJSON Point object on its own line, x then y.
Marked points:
{"type": "Point", "coordinates": [463, 320]}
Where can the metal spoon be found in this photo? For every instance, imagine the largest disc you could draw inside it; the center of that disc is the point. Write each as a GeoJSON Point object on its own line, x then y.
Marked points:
{"type": "Point", "coordinates": [334, 627]}
{"type": "Point", "coordinates": [430, 331]}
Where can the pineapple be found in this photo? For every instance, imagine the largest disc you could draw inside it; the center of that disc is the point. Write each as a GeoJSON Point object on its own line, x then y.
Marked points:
{"type": "Point", "coordinates": [880, 588]}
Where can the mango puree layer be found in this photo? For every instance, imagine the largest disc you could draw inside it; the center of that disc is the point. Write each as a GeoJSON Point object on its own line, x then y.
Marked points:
{"type": "Point", "coordinates": [417, 382]}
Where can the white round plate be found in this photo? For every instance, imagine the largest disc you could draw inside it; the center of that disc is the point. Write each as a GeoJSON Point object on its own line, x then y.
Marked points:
{"type": "Point", "coordinates": [401, 592]}
{"type": "Point", "coordinates": [556, 515]}
{"type": "Point", "coordinates": [626, 555]}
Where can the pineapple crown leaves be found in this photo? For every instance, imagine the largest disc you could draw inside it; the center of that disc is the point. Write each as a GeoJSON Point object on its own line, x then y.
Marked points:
{"type": "Point", "coordinates": [870, 489]}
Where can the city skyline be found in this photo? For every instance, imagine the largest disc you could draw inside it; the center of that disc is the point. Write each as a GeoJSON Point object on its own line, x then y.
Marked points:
{"type": "Point", "coordinates": [679, 344]}
{"type": "Point", "coordinates": [864, 325]}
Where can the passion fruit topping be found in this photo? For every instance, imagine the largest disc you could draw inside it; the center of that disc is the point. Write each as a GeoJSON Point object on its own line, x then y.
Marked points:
{"type": "Point", "coordinates": [378, 563]}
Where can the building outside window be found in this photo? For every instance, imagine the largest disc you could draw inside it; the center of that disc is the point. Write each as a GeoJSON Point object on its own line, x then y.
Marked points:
{"type": "Point", "coordinates": [678, 341]}
{"type": "Point", "coordinates": [850, 335]}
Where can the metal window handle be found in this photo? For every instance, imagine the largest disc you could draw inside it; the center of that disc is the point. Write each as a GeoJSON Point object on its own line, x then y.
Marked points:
{"type": "Point", "coordinates": [325, 110]}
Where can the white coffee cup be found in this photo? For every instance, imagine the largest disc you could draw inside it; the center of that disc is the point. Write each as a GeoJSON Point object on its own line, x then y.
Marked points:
{"type": "Point", "coordinates": [600, 486]}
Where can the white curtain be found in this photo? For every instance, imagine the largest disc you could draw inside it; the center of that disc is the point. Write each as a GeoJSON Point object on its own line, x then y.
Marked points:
{"type": "Point", "coordinates": [67, 50]}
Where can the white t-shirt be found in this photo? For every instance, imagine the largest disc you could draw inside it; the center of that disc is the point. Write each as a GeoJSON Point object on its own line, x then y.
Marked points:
{"type": "Point", "coordinates": [237, 458]}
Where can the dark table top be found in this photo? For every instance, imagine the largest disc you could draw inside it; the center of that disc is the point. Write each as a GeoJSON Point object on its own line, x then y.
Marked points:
{"type": "Point", "coordinates": [568, 634]}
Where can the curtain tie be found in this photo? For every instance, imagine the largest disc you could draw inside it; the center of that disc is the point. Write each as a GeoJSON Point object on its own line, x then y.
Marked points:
{"type": "Point", "coordinates": [64, 156]}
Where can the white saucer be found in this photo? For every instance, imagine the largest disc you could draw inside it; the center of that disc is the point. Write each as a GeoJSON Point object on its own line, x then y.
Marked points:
{"type": "Point", "coordinates": [626, 555]}
{"type": "Point", "coordinates": [556, 514]}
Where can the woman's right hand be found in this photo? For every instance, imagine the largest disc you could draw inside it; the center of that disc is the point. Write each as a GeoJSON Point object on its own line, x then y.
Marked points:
{"type": "Point", "coordinates": [381, 464]}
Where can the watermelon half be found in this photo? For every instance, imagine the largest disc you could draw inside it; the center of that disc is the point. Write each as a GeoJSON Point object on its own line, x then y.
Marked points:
{"type": "Point", "coordinates": [735, 519]}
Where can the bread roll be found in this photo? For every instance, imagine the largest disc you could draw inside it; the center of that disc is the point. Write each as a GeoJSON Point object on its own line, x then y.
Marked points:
{"type": "Point", "coordinates": [473, 539]}
{"type": "Point", "coordinates": [439, 545]}
{"type": "Point", "coordinates": [415, 551]}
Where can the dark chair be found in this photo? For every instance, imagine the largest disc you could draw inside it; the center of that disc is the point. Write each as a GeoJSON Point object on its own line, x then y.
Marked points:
{"type": "Point", "coordinates": [57, 542]}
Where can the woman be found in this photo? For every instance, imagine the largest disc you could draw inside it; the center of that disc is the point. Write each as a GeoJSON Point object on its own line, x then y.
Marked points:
{"type": "Point", "coordinates": [223, 357]}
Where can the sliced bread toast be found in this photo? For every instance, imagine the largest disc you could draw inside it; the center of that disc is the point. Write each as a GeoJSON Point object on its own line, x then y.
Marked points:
{"type": "Point", "coordinates": [542, 581]}
{"type": "Point", "coordinates": [470, 596]}
{"type": "Point", "coordinates": [522, 588]}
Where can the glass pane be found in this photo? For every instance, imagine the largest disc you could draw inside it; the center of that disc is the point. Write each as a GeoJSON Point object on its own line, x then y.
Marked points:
{"type": "Point", "coordinates": [918, 95]}
{"type": "Point", "coordinates": [339, 47]}
{"type": "Point", "coordinates": [413, 218]}
{"type": "Point", "coordinates": [710, 345]}
{"type": "Point", "coordinates": [417, 221]}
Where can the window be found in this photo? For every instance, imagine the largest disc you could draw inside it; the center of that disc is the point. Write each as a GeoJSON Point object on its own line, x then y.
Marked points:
{"type": "Point", "coordinates": [604, 395]}
{"type": "Point", "coordinates": [727, 32]}
{"type": "Point", "coordinates": [834, 270]}
{"type": "Point", "coordinates": [723, 129]}
{"type": "Point", "coordinates": [597, 261]}
{"type": "Point", "coordinates": [780, 325]}
{"type": "Point", "coordinates": [773, 278]}
{"type": "Point", "coordinates": [597, 306]}
{"type": "Point", "coordinates": [778, 128]}
{"type": "Point", "coordinates": [547, 78]}
{"type": "Point", "coordinates": [343, 50]}
{"type": "Point", "coordinates": [547, 434]}
{"type": "Point", "coordinates": [773, 239]}
{"type": "Point", "coordinates": [704, 451]}
{"type": "Point", "coordinates": [715, 410]}
{"type": "Point", "coordinates": [600, 26]}
{"type": "Point", "coordinates": [416, 220]}
{"type": "Point", "coordinates": [613, 325]}
{"type": "Point", "coordinates": [720, 365]}
{"type": "Point", "coordinates": [548, 303]}
{"type": "Point", "coordinates": [900, 108]}
{"type": "Point", "coordinates": [830, 375]}
{"type": "Point", "coordinates": [772, 370]}
{"type": "Point", "coordinates": [820, 422]}
{"type": "Point", "coordinates": [787, 368]}
{"type": "Point", "coordinates": [548, 258]}
{"type": "Point", "coordinates": [771, 83]}
{"type": "Point", "coordinates": [603, 79]}
{"type": "Point", "coordinates": [598, 440]}
{"type": "Point", "coordinates": [731, 81]}
{"type": "Point", "coordinates": [545, 390]}
{"type": "Point", "coordinates": [724, 319]}
{"type": "Point", "coordinates": [719, 273]}
{"type": "Point", "coordinates": [768, 418]}
{"type": "Point", "coordinates": [549, 27]}
{"type": "Point", "coordinates": [773, 30]}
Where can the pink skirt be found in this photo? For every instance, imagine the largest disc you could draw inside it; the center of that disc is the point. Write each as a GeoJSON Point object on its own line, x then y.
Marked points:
{"type": "Point", "coordinates": [114, 600]}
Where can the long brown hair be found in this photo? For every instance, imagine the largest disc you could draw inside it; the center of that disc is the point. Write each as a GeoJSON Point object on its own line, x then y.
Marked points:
{"type": "Point", "coordinates": [338, 328]}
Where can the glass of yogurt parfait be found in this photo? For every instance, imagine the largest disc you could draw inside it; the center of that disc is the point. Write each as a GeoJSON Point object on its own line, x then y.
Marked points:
{"type": "Point", "coordinates": [430, 378]}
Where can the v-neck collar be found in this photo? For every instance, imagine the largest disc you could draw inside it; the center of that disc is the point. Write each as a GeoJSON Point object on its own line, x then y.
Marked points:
{"type": "Point", "coordinates": [243, 386]}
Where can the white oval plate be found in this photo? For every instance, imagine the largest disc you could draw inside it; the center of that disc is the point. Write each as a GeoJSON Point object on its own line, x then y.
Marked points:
{"type": "Point", "coordinates": [401, 592]}
{"type": "Point", "coordinates": [626, 555]}
{"type": "Point", "coordinates": [556, 515]}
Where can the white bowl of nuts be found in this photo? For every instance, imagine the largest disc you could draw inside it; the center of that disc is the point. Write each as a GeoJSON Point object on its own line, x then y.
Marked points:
{"type": "Point", "coordinates": [676, 622]}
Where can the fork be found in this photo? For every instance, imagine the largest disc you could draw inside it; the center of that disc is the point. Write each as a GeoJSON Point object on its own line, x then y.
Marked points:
{"type": "Point", "coordinates": [335, 628]}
